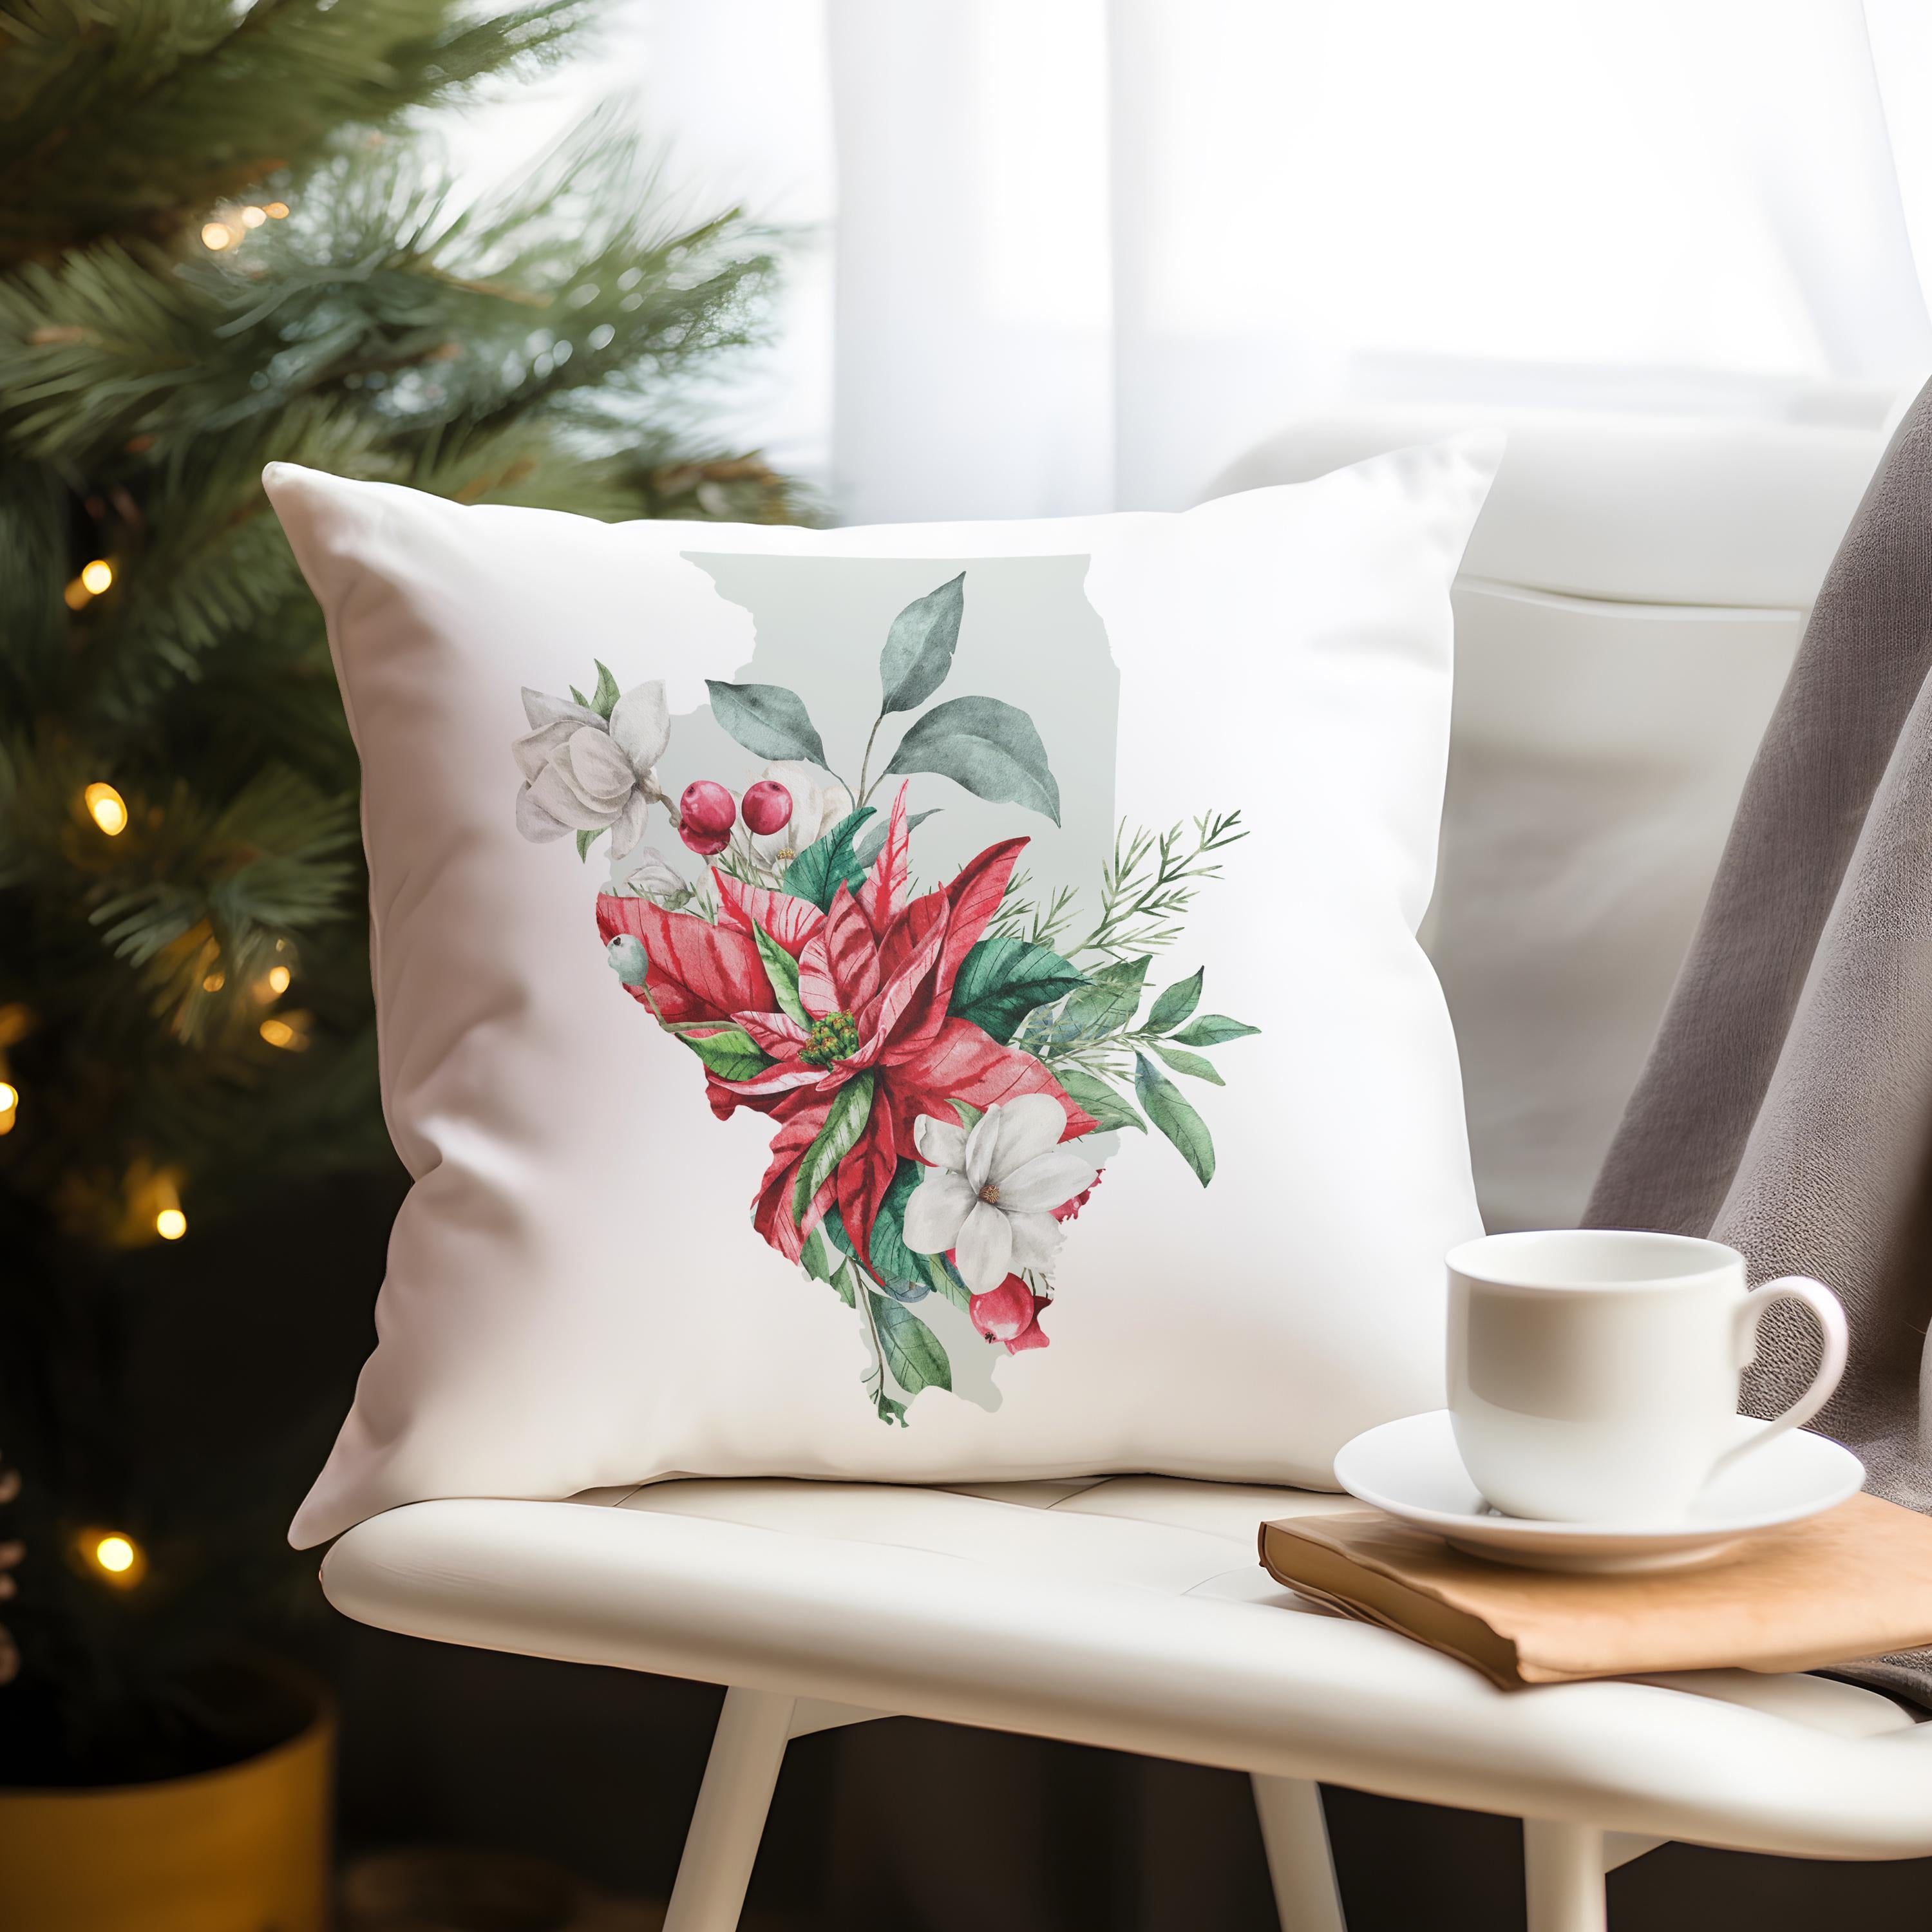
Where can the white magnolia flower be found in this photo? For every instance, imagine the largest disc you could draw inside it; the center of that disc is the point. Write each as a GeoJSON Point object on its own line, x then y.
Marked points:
{"type": "Point", "coordinates": [581, 773]}
{"type": "Point", "coordinates": [818, 802]}
{"type": "Point", "coordinates": [988, 1194]}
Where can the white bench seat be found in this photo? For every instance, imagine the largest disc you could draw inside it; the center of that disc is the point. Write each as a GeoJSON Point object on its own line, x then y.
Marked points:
{"type": "Point", "coordinates": [1131, 1613]}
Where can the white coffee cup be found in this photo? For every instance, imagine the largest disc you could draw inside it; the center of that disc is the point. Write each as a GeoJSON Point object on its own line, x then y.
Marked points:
{"type": "Point", "coordinates": [1593, 1373]}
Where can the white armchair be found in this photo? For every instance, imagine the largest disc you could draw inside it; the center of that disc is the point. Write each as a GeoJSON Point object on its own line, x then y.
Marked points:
{"type": "Point", "coordinates": [1631, 600]}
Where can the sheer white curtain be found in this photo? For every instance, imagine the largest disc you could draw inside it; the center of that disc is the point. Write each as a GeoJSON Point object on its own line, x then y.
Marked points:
{"type": "Point", "coordinates": [1063, 255]}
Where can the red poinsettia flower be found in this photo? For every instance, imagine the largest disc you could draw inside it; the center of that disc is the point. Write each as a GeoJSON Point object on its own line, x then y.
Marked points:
{"type": "Point", "coordinates": [1009, 1314]}
{"type": "Point", "coordinates": [875, 974]}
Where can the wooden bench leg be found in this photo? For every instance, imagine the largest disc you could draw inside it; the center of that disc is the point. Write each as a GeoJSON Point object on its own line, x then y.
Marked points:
{"type": "Point", "coordinates": [722, 1844]}
{"type": "Point", "coordinates": [1563, 1866]}
{"type": "Point", "coordinates": [1296, 1834]}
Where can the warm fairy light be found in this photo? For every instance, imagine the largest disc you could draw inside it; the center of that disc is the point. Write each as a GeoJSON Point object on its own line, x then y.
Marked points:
{"type": "Point", "coordinates": [214, 982]}
{"type": "Point", "coordinates": [9, 1106]}
{"type": "Point", "coordinates": [216, 235]}
{"type": "Point", "coordinates": [277, 211]}
{"type": "Point", "coordinates": [279, 1033]}
{"type": "Point", "coordinates": [278, 980]}
{"type": "Point", "coordinates": [107, 808]}
{"type": "Point", "coordinates": [253, 217]}
{"type": "Point", "coordinates": [115, 1557]}
{"type": "Point", "coordinates": [171, 1224]}
{"type": "Point", "coordinates": [96, 576]}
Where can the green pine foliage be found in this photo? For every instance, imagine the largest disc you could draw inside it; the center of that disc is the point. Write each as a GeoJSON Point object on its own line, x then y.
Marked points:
{"type": "Point", "coordinates": [226, 238]}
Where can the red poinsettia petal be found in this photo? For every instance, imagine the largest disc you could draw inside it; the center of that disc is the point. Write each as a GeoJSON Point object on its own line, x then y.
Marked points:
{"type": "Point", "coordinates": [905, 1014]}
{"type": "Point", "coordinates": [696, 970]}
{"type": "Point", "coordinates": [962, 1063]}
{"type": "Point", "coordinates": [864, 1175]}
{"type": "Point", "coordinates": [851, 958]}
{"type": "Point", "coordinates": [790, 921]}
{"type": "Point", "coordinates": [777, 1034]}
{"type": "Point", "coordinates": [883, 894]}
{"type": "Point", "coordinates": [975, 895]}
{"type": "Point", "coordinates": [771, 1211]}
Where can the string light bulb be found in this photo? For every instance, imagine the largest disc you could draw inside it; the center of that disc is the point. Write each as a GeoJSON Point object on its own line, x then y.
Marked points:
{"type": "Point", "coordinates": [171, 1224]}
{"type": "Point", "coordinates": [114, 1557]}
{"type": "Point", "coordinates": [279, 1032]}
{"type": "Point", "coordinates": [253, 217]}
{"type": "Point", "coordinates": [217, 236]}
{"type": "Point", "coordinates": [214, 982]}
{"type": "Point", "coordinates": [278, 980]}
{"type": "Point", "coordinates": [107, 808]}
{"type": "Point", "coordinates": [96, 576]}
{"type": "Point", "coordinates": [10, 1106]}
{"type": "Point", "coordinates": [276, 210]}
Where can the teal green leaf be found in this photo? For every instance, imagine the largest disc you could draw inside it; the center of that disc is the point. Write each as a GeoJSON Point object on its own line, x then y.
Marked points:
{"type": "Point", "coordinates": [604, 699]}
{"type": "Point", "coordinates": [851, 1106]}
{"type": "Point", "coordinates": [767, 720]}
{"type": "Point", "coordinates": [920, 647]}
{"type": "Point", "coordinates": [834, 1227]}
{"type": "Point", "coordinates": [730, 1053]}
{"type": "Point", "coordinates": [1175, 1004]}
{"type": "Point", "coordinates": [583, 838]}
{"type": "Point", "coordinates": [1002, 980]}
{"type": "Point", "coordinates": [579, 697]}
{"type": "Point", "coordinates": [1188, 1063]}
{"type": "Point", "coordinates": [1097, 1098]}
{"type": "Point", "coordinates": [782, 969]}
{"type": "Point", "coordinates": [890, 1411]}
{"type": "Point", "coordinates": [1212, 1029]}
{"type": "Point", "coordinates": [891, 1260]}
{"type": "Point", "coordinates": [990, 747]}
{"type": "Point", "coordinates": [969, 1115]}
{"type": "Point", "coordinates": [911, 1349]}
{"type": "Point", "coordinates": [828, 863]}
{"type": "Point", "coordinates": [845, 1280]}
{"type": "Point", "coordinates": [872, 842]}
{"type": "Point", "coordinates": [1167, 1107]}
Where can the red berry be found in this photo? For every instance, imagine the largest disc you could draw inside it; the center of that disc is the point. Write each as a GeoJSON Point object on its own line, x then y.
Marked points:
{"type": "Point", "coordinates": [704, 842]}
{"type": "Point", "coordinates": [767, 807]}
{"type": "Point", "coordinates": [706, 810]}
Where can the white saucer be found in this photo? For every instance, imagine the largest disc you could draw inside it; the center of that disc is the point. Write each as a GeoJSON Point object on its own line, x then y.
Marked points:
{"type": "Point", "coordinates": [1411, 1470]}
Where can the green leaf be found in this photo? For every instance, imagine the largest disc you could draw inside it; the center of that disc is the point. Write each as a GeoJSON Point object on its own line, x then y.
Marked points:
{"type": "Point", "coordinates": [604, 699]}
{"type": "Point", "coordinates": [920, 647]}
{"type": "Point", "coordinates": [850, 1107]}
{"type": "Point", "coordinates": [1176, 1004]}
{"type": "Point", "coordinates": [579, 697]}
{"type": "Point", "coordinates": [845, 1280]}
{"type": "Point", "coordinates": [1212, 1029]}
{"type": "Point", "coordinates": [782, 969]}
{"type": "Point", "coordinates": [911, 1349]}
{"type": "Point", "coordinates": [1167, 1109]}
{"type": "Point", "coordinates": [945, 1277]}
{"type": "Point", "coordinates": [872, 841]}
{"type": "Point", "coordinates": [1188, 1063]}
{"type": "Point", "coordinates": [891, 1260]}
{"type": "Point", "coordinates": [1124, 972]}
{"type": "Point", "coordinates": [585, 835]}
{"type": "Point", "coordinates": [890, 1411]}
{"type": "Point", "coordinates": [1085, 1090]}
{"type": "Point", "coordinates": [1002, 980]}
{"type": "Point", "coordinates": [990, 747]}
{"type": "Point", "coordinates": [766, 719]}
{"type": "Point", "coordinates": [828, 863]}
{"type": "Point", "coordinates": [970, 1116]}
{"type": "Point", "coordinates": [730, 1053]}
{"type": "Point", "coordinates": [817, 1258]}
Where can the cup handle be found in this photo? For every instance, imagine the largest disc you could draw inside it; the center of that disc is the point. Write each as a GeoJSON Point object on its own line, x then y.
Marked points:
{"type": "Point", "coordinates": [1829, 1313]}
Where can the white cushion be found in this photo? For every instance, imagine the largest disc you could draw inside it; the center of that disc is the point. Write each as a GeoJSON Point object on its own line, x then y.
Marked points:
{"type": "Point", "coordinates": [1131, 1614]}
{"type": "Point", "coordinates": [576, 1295]}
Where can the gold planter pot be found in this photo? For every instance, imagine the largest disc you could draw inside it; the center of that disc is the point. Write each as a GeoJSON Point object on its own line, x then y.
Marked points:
{"type": "Point", "coordinates": [245, 1849]}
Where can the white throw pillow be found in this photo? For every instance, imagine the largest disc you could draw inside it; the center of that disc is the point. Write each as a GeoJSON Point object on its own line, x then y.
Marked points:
{"type": "Point", "coordinates": [861, 1114]}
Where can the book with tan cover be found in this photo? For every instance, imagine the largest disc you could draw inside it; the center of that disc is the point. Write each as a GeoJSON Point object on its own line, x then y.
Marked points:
{"type": "Point", "coordinates": [1856, 1581]}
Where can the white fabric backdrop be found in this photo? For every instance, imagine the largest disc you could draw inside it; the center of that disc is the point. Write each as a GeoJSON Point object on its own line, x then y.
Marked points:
{"type": "Point", "coordinates": [1058, 256]}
